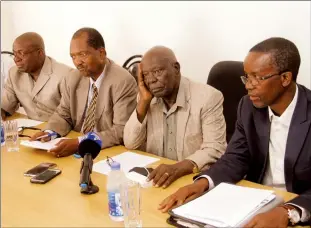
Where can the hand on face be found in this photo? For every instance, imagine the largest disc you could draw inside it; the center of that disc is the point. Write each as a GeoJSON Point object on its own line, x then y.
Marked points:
{"type": "Point", "coordinates": [144, 94]}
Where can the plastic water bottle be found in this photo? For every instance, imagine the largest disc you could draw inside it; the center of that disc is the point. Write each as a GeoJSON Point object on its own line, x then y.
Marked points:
{"type": "Point", "coordinates": [2, 133]}
{"type": "Point", "coordinates": [116, 178]}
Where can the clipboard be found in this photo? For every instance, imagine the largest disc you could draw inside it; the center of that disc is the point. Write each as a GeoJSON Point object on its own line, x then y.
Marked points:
{"type": "Point", "coordinates": [180, 221]}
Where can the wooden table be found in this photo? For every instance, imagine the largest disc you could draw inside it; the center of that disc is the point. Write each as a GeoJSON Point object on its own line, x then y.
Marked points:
{"type": "Point", "coordinates": [59, 202]}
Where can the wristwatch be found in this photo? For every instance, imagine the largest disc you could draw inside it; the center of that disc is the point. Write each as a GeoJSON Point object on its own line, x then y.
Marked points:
{"type": "Point", "coordinates": [195, 167]}
{"type": "Point", "coordinates": [293, 214]}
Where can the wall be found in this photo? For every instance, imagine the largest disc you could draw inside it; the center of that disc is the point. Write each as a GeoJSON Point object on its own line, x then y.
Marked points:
{"type": "Point", "coordinates": [200, 33]}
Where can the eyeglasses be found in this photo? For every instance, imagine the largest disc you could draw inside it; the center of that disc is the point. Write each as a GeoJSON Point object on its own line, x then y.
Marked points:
{"type": "Point", "coordinates": [23, 54]}
{"type": "Point", "coordinates": [256, 80]}
{"type": "Point", "coordinates": [109, 160]}
{"type": "Point", "coordinates": [21, 131]}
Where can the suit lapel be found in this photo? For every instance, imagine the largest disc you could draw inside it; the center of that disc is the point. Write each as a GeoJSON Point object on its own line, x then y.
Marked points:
{"type": "Point", "coordinates": [155, 115]}
{"type": "Point", "coordinates": [82, 96]}
{"type": "Point", "coordinates": [43, 78]}
{"type": "Point", "coordinates": [297, 133]}
{"type": "Point", "coordinates": [182, 119]}
{"type": "Point", "coordinates": [100, 106]}
{"type": "Point", "coordinates": [262, 125]}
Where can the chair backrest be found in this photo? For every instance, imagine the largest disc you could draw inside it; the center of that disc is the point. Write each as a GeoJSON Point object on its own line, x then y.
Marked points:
{"type": "Point", "coordinates": [225, 76]}
{"type": "Point", "coordinates": [131, 64]}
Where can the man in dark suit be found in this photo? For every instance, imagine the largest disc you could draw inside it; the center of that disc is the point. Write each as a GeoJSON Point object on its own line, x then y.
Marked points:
{"type": "Point", "coordinates": [271, 144]}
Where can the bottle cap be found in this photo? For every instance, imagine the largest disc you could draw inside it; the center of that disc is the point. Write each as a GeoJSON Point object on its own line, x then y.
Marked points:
{"type": "Point", "coordinates": [115, 166]}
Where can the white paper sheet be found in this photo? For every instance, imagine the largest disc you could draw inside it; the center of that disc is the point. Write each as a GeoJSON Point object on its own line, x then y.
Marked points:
{"type": "Point", "coordinates": [27, 122]}
{"type": "Point", "coordinates": [41, 145]}
{"type": "Point", "coordinates": [226, 205]}
{"type": "Point", "coordinates": [128, 160]}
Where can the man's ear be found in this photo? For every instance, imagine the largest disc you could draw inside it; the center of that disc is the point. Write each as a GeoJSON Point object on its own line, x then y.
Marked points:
{"type": "Point", "coordinates": [177, 67]}
{"type": "Point", "coordinates": [287, 78]}
{"type": "Point", "coordinates": [102, 53]}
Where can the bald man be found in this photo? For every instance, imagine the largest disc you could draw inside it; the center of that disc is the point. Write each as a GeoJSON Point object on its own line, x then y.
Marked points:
{"type": "Point", "coordinates": [175, 118]}
{"type": "Point", "coordinates": [34, 82]}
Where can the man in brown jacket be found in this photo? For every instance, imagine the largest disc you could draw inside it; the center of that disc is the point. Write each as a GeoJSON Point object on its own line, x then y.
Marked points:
{"type": "Point", "coordinates": [99, 97]}
{"type": "Point", "coordinates": [35, 80]}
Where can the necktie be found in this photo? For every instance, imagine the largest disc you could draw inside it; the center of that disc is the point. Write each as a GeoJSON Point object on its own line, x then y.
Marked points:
{"type": "Point", "coordinates": [89, 122]}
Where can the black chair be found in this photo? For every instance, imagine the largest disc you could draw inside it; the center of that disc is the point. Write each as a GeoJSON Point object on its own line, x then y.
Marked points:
{"type": "Point", "coordinates": [131, 64]}
{"type": "Point", "coordinates": [225, 76]}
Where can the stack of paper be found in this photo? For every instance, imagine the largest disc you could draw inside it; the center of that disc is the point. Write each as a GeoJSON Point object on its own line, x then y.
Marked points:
{"type": "Point", "coordinates": [41, 145]}
{"type": "Point", "coordinates": [27, 123]}
{"type": "Point", "coordinates": [226, 205]}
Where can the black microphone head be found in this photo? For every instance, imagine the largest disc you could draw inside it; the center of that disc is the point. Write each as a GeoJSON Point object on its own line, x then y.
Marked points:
{"type": "Point", "coordinates": [91, 144]}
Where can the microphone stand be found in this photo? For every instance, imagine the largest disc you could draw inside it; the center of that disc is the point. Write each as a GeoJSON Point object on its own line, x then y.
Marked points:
{"type": "Point", "coordinates": [88, 188]}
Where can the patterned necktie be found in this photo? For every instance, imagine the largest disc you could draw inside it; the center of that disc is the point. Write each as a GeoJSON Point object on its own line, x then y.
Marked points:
{"type": "Point", "coordinates": [89, 121]}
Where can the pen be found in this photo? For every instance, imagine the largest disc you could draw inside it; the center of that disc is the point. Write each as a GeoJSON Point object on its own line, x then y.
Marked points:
{"type": "Point", "coordinates": [48, 135]}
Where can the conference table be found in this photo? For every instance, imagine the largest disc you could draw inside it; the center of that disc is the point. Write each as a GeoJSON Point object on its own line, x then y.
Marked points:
{"type": "Point", "coordinates": [59, 202]}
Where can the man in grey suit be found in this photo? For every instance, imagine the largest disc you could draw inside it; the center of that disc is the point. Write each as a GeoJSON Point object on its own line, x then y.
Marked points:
{"type": "Point", "coordinates": [35, 80]}
{"type": "Point", "coordinates": [99, 97]}
{"type": "Point", "coordinates": [175, 118]}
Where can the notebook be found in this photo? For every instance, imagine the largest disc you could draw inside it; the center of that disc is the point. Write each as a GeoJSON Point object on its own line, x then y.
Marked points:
{"type": "Point", "coordinates": [226, 205]}
{"type": "Point", "coordinates": [128, 161]}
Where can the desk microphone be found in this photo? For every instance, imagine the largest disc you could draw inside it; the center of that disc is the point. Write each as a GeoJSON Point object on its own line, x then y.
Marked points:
{"type": "Point", "coordinates": [89, 148]}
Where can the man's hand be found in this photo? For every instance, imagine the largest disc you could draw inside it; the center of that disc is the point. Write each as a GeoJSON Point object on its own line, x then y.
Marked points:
{"type": "Point", "coordinates": [276, 217]}
{"type": "Point", "coordinates": [184, 195]}
{"type": "Point", "coordinates": [65, 147]}
{"type": "Point", "coordinates": [38, 134]}
{"type": "Point", "coordinates": [145, 96]}
{"type": "Point", "coordinates": [164, 175]}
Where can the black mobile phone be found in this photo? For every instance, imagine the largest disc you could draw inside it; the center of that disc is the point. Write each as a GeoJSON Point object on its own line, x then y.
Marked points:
{"type": "Point", "coordinates": [44, 177]}
{"type": "Point", "coordinates": [39, 169]}
{"type": "Point", "coordinates": [141, 170]}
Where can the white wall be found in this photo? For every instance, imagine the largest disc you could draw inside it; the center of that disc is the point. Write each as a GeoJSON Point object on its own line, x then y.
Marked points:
{"type": "Point", "coordinates": [200, 33]}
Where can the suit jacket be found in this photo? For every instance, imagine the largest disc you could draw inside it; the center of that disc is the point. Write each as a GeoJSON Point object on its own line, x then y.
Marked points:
{"type": "Point", "coordinates": [248, 151]}
{"type": "Point", "coordinates": [39, 99]}
{"type": "Point", "coordinates": [201, 128]}
{"type": "Point", "coordinates": [115, 103]}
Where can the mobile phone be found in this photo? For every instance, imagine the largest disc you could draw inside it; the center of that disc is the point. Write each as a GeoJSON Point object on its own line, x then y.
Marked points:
{"type": "Point", "coordinates": [46, 176]}
{"type": "Point", "coordinates": [39, 169]}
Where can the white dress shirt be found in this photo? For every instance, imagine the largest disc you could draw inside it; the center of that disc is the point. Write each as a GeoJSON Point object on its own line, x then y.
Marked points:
{"type": "Point", "coordinates": [274, 175]}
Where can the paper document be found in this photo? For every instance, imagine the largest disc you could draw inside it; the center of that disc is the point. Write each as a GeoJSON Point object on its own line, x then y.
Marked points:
{"type": "Point", "coordinates": [41, 145]}
{"type": "Point", "coordinates": [27, 122]}
{"type": "Point", "coordinates": [226, 205]}
{"type": "Point", "coordinates": [128, 160]}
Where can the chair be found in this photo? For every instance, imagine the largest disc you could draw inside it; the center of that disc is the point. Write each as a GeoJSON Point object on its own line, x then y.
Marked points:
{"type": "Point", "coordinates": [131, 64]}
{"type": "Point", "coordinates": [225, 76]}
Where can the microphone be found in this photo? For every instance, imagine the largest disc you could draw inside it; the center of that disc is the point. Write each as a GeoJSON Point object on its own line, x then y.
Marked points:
{"type": "Point", "coordinates": [89, 148]}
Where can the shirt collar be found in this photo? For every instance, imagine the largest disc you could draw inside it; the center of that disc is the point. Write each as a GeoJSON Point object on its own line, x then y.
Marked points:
{"type": "Point", "coordinates": [286, 117]}
{"type": "Point", "coordinates": [99, 80]}
{"type": "Point", "coordinates": [181, 98]}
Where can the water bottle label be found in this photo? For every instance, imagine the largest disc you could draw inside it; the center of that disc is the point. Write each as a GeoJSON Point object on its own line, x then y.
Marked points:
{"type": "Point", "coordinates": [2, 134]}
{"type": "Point", "coordinates": [115, 208]}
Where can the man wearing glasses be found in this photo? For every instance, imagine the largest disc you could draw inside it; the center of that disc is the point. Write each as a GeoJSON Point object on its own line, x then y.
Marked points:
{"type": "Point", "coordinates": [271, 144]}
{"type": "Point", "coordinates": [34, 82]}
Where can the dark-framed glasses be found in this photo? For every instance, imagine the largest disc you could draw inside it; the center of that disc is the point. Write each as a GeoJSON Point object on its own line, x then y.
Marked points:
{"type": "Point", "coordinates": [255, 80]}
{"type": "Point", "coordinates": [23, 54]}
